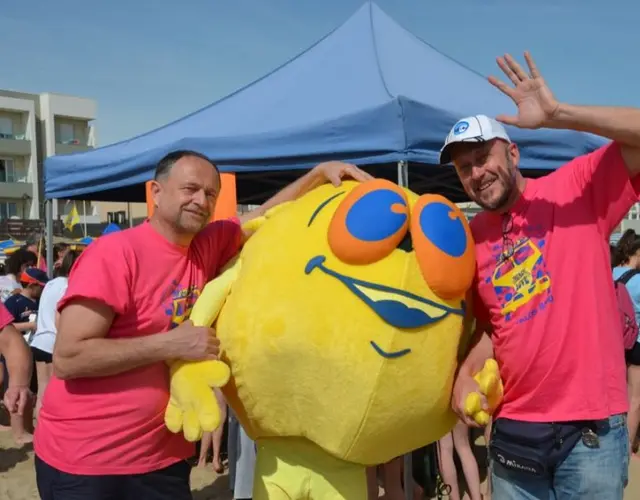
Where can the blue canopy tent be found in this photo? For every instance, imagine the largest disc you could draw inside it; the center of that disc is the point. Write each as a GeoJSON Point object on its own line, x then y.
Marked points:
{"type": "Point", "coordinates": [111, 228]}
{"type": "Point", "coordinates": [369, 92]}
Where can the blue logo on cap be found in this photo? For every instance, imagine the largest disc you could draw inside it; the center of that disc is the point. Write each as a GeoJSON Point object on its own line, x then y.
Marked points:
{"type": "Point", "coordinates": [460, 128]}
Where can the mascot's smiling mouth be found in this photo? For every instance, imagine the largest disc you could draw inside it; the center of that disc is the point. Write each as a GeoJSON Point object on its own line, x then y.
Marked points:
{"type": "Point", "coordinates": [399, 308]}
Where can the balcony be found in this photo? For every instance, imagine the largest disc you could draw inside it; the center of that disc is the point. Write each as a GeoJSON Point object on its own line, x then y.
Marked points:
{"type": "Point", "coordinates": [71, 146]}
{"type": "Point", "coordinates": [14, 180]}
{"type": "Point", "coordinates": [14, 190]}
{"type": "Point", "coordinates": [14, 145]}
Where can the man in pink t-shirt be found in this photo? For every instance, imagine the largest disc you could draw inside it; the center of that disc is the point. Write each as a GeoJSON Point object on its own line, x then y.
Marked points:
{"type": "Point", "coordinates": [101, 431]}
{"type": "Point", "coordinates": [543, 293]}
{"type": "Point", "coordinates": [17, 358]}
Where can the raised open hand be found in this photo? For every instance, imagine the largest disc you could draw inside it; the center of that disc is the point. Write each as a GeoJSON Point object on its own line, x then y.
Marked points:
{"type": "Point", "coordinates": [535, 101]}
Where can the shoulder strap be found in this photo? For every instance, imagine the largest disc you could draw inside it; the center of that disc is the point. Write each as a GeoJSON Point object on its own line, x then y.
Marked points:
{"type": "Point", "coordinates": [624, 279]}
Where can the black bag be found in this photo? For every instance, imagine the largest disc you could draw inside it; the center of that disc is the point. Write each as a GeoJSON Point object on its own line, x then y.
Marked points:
{"type": "Point", "coordinates": [425, 469]}
{"type": "Point", "coordinates": [534, 448]}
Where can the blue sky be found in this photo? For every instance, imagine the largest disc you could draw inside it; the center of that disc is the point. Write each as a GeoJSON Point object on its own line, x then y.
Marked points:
{"type": "Point", "coordinates": [148, 62]}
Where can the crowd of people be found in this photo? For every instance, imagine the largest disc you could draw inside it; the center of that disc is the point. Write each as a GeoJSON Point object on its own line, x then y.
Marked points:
{"type": "Point", "coordinates": [29, 298]}
{"type": "Point", "coordinates": [563, 428]}
{"type": "Point", "coordinates": [625, 261]}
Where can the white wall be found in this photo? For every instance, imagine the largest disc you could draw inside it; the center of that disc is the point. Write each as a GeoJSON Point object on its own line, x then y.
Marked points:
{"type": "Point", "coordinates": [28, 107]}
{"type": "Point", "coordinates": [53, 105]}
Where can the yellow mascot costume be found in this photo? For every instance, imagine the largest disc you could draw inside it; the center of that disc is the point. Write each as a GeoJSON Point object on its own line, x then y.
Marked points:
{"type": "Point", "coordinates": [340, 324]}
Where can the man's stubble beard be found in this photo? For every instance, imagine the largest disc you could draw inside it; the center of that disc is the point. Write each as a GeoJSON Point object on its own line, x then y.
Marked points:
{"type": "Point", "coordinates": [508, 192]}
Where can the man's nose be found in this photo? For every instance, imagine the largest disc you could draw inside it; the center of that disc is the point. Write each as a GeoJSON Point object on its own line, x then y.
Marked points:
{"type": "Point", "coordinates": [476, 172]}
{"type": "Point", "coordinates": [200, 197]}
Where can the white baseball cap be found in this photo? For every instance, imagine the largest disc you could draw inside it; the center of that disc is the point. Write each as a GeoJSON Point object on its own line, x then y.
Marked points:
{"type": "Point", "coordinates": [478, 128]}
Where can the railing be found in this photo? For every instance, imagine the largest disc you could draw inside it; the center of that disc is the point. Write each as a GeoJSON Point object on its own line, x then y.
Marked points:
{"type": "Point", "coordinates": [15, 137]}
{"type": "Point", "coordinates": [70, 142]}
{"type": "Point", "coordinates": [21, 229]}
{"type": "Point", "coordinates": [18, 175]}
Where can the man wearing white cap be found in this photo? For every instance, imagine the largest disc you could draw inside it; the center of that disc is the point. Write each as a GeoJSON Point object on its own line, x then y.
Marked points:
{"type": "Point", "coordinates": [543, 297]}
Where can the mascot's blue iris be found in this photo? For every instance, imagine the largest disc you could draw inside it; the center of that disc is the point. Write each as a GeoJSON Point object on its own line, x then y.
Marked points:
{"type": "Point", "coordinates": [444, 232]}
{"type": "Point", "coordinates": [371, 217]}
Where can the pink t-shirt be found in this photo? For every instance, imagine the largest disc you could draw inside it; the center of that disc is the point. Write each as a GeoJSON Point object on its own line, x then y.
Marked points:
{"type": "Point", "coordinates": [115, 425]}
{"type": "Point", "coordinates": [6, 318]}
{"type": "Point", "coordinates": [552, 307]}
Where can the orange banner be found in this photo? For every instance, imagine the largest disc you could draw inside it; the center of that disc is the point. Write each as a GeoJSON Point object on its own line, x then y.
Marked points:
{"type": "Point", "coordinates": [226, 205]}
{"type": "Point", "coordinates": [149, 198]}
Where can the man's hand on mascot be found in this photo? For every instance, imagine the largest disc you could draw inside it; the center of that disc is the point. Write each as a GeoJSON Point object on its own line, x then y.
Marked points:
{"type": "Point", "coordinates": [476, 397]}
{"type": "Point", "coordinates": [335, 171]}
{"type": "Point", "coordinates": [194, 343]}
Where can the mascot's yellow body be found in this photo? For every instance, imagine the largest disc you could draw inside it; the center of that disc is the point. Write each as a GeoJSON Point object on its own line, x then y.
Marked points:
{"type": "Point", "coordinates": [341, 324]}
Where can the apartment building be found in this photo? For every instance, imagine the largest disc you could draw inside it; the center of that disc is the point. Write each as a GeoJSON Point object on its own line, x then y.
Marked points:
{"type": "Point", "coordinates": [33, 127]}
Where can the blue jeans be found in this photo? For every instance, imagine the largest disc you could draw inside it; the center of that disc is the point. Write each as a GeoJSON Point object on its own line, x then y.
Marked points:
{"type": "Point", "coordinates": [586, 474]}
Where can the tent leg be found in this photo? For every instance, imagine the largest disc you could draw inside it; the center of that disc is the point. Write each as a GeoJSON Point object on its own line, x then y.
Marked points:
{"type": "Point", "coordinates": [403, 174]}
{"type": "Point", "coordinates": [403, 181]}
{"type": "Point", "coordinates": [48, 215]}
{"type": "Point", "coordinates": [408, 476]}
{"type": "Point", "coordinates": [129, 214]}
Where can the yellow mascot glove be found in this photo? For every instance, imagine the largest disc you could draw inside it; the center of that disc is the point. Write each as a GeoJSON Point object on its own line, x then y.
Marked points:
{"type": "Point", "coordinates": [193, 407]}
{"type": "Point", "coordinates": [490, 385]}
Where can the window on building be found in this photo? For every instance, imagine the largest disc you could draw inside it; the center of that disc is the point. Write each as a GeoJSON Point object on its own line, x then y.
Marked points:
{"type": "Point", "coordinates": [6, 127]}
{"type": "Point", "coordinates": [7, 170]}
{"type": "Point", "coordinates": [119, 217]}
{"type": "Point", "coordinates": [66, 133]}
{"type": "Point", "coordinates": [8, 209]}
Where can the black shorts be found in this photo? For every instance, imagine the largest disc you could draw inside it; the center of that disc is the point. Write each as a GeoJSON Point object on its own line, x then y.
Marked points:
{"type": "Point", "coordinates": [633, 355]}
{"type": "Point", "coordinates": [40, 356]}
{"type": "Point", "coordinates": [170, 483]}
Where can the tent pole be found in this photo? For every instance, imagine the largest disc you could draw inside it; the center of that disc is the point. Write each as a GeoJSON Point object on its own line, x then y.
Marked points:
{"type": "Point", "coordinates": [48, 215]}
{"type": "Point", "coordinates": [84, 217]}
{"type": "Point", "coordinates": [403, 181]}
{"type": "Point", "coordinates": [403, 173]}
{"type": "Point", "coordinates": [129, 214]}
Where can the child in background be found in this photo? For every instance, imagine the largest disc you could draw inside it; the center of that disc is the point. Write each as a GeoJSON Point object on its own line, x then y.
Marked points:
{"type": "Point", "coordinates": [214, 439]}
{"type": "Point", "coordinates": [47, 324]}
{"type": "Point", "coordinates": [459, 439]}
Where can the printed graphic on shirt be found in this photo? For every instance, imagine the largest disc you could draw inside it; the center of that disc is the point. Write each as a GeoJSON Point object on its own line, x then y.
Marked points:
{"type": "Point", "coordinates": [182, 301]}
{"type": "Point", "coordinates": [520, 278]}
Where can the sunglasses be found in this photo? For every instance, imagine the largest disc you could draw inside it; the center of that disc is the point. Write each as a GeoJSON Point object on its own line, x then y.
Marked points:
{"type": "Point", "coordinates": [507, 243]}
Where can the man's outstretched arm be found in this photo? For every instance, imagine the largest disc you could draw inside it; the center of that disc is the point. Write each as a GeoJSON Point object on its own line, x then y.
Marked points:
{"type": "Point", "coordinates": [619, 124]}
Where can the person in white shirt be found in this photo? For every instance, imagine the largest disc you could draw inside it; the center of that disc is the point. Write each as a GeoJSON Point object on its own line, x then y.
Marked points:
{"type": "Point", "coordinates": [16, 263]}
{"type": "Point", "coordinates": [44, 338]}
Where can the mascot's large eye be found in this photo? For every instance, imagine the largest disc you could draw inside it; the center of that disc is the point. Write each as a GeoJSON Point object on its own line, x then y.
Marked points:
{"type": "Point", "coordinates": [369, 223]}
{"type": "Point", "coordinates": [444, 246]}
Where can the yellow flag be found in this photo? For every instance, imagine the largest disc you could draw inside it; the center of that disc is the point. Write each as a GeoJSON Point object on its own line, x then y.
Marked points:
{"type": "Point", "coordinates": [72, 218]}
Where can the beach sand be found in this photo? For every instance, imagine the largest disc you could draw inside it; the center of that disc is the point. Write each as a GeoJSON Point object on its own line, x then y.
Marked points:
{"type": "Point", "coordinates": [18, 482]}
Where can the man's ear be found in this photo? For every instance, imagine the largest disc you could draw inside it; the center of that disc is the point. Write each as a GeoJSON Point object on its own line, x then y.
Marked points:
{"type": "Point", "coordinates": [156, 190]}
{"type": "Point", "coordinates": [514, 153]}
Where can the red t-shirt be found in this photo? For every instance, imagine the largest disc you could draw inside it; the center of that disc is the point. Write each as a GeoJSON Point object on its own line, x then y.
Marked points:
{"type": "Point", "coordinates": [6, 318]}
{"type": "Point", "coordinates": [115, 425]}
{"type": "Point", "coordinates": [551, 301]}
